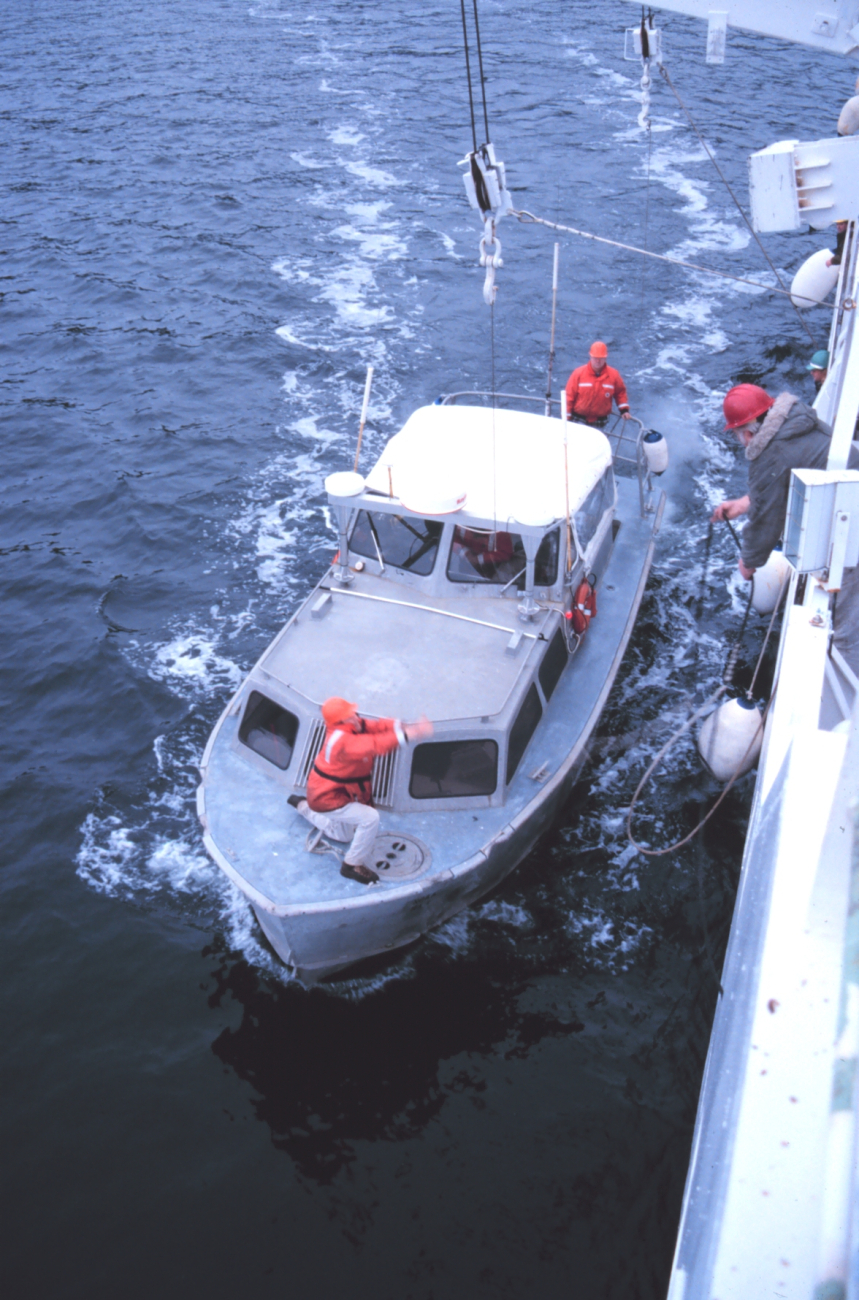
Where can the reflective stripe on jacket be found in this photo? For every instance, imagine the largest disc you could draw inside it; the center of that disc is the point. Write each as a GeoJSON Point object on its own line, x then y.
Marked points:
{"type": "Point", "coordinates": [590, 395]}
{"type": "Point", "coordinates": [343, 771]}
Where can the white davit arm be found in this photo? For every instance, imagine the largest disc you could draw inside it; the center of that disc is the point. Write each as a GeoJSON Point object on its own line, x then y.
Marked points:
{"type": "Point", "coordinates": [836, 30]}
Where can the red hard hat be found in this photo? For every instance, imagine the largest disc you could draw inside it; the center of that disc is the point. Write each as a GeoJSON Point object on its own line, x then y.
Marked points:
{"type": "Point", "coordinates": [599, 349]}
{"type": "Point", "coordinates": [335, 709]}
{"type": "Point", "coordinates": [743, 403]}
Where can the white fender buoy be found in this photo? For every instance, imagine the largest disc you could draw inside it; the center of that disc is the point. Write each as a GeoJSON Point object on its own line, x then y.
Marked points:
{"type": "Point", "coordinates": [767, 582]}
{"type": "Point", "coordinates": [848, 120]}
{"type": "Point", "coordinates": [814, 280]}
{"type": "Point", "coordinates": [655, 451]}
{"type": "Point", "coordinates": [730, 738]}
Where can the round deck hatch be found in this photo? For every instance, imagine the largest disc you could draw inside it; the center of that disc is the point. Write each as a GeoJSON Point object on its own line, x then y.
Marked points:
{"type": "Point", "coordinates": [400, 857]}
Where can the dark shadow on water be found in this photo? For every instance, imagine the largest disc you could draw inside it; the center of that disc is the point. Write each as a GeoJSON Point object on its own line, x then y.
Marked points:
{"type": "Point", "coordinates": [332, 1070]}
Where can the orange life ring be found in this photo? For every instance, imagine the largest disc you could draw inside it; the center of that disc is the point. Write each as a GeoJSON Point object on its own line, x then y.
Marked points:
{"type": "Point", "coordinates": [584, 607]}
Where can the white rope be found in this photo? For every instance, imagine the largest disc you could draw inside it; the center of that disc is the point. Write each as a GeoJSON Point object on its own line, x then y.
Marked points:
{"type": "Point", "coordinates": [490, 257]}
{"type": "Point", "coordinates": [846, 304]}
{"type": "Point", "coordinates": [644, 115]}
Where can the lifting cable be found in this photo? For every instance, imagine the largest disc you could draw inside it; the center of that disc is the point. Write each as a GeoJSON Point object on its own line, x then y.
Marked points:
{"type": "Point", "coordinates": [846, 304]}
{"type": "Point", "coordinates": [727, 682]}
{"type": "Point", "coordinates": [488, 259]}
{"type": "Point", "coordinates": [468, 75]}
{"type": "Point", "coordinates": [664, 73]}
{"type": "Point", "coordinates": [644, 121]}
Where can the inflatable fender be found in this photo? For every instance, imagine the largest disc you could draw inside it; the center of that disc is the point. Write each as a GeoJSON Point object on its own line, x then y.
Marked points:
{"type": "Point", "coordinates": [767, 582]}
{"type": "Point", "coordinates": [655, 451]}
{"type": "Point", "coordinates": [730, 738]}
{"type": "Point", "coordinates": [814, 280]}
{"type": "Point", "coordinates": [848, 121]}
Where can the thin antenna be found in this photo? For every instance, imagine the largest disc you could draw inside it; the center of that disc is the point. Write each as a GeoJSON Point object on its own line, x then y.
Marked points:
{"type": "Point", "coordinates": [552, 336]}
{"type": "Point", "coordinates": [363, 416]}
{"type": "Point", "coordinates": [567, 490]}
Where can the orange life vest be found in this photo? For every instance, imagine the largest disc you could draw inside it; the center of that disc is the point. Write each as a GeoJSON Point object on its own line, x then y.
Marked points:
{"type": "Point", "coordinates": [343, 770]}
{"type": "Point", "coordinates": [590, 395]}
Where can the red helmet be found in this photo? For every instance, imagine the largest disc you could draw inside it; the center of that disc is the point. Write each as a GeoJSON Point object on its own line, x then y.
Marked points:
{"type": "Point", "coordinates": [599, 349]}
{"type": "Point", "coordinates": [744, 403]}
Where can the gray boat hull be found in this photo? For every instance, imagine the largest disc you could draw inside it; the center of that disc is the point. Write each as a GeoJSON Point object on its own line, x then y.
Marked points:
{"type": "Point", "coordinates": [319, 924]}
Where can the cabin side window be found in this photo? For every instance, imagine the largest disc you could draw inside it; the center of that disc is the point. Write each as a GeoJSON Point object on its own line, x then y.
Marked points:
{"type": "Point", "coordinates": [478, 555]}
{"type": "Point", "coordinates": [553, 664]}
{"type": "Point", "coordinates": [404, 542]}
{"type": "Point", "coordinates": [452, 769]}
{"type": "Point", "coordinates": [269, 730]}
{"type": "Point", "coordinates": [592, 509]}
{"type": "Point", "coordinates": [523, 729]}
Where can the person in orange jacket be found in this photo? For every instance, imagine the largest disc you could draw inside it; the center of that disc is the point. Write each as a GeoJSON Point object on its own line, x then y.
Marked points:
{"type": "Point", "coordinates": [340, 786]}
{"type": "Point", "coordinates": [593, 387]}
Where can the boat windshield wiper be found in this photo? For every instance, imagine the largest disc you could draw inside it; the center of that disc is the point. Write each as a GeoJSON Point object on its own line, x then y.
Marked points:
{"type": "Point", "coordinates": [376, 541]}
{"type": "Point", "coordinates": [513, 579]}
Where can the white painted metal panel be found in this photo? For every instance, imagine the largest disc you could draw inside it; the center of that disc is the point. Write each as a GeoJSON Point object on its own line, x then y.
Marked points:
{"type": "Point", "coordinates": [772, 188]}
{"type": "Point", "coordinates": [824, 24]}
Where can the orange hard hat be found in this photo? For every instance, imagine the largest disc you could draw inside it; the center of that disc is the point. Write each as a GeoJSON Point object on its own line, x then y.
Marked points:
{"type": "Point", "coordinates": [336, 710]}
{"type": "Point", "coordinates": [599, 349]}
{"type": "Point", "coordinates": [743, 403]}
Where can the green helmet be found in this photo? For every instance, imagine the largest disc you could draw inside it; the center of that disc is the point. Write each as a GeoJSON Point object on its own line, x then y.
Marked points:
{"type": "Point", "coordinates": [820, 361]}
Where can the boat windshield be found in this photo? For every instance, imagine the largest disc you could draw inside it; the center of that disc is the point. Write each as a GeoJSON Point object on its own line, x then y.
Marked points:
{"type": "Point", "coordinates": [590, 512]}
{"type": "Point", "coordinates": [480, 556]}
{"type": "Point", "coordinates": [404, 542]}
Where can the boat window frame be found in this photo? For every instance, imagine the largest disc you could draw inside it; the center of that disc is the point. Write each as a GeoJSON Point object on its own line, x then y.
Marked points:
{"type": "Point", "coordinates": [558, 637]}
{"type": "Point", "coordinates": [595, 538]}
{"type": "Point", "coordinates": [489, 584]}
{"type": "Point", "coordinates": [531, 695]}
{"type": "Point", "coordinates": [454, 740]}
{"type": "Point", "coordinates": [399, 515]}
{"type": "Point", "coordinates": [251, 705]}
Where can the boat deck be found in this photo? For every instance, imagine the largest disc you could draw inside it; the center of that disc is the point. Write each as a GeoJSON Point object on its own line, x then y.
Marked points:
{"type": "Point", "coordinates": [400, 653]}
{"type": "Point", "coordinates": [263, 839]}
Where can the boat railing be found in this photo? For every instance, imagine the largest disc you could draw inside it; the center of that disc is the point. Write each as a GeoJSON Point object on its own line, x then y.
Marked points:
{"type": "Point", "coordinates": [495, 399]}
{"type": "Point", "coordinates": [628, 449]}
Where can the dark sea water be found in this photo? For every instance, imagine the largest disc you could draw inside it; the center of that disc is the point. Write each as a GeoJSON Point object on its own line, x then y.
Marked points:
{"type": "Point", "coordinates": [214, 216]}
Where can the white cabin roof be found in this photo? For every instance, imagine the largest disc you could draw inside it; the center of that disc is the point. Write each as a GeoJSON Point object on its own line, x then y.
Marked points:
{"type": "Point", "coordinates": [509, 463]}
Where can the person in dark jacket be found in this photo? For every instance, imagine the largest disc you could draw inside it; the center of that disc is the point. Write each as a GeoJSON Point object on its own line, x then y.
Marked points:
{"type": "Point", "coordinates": [780, 435]}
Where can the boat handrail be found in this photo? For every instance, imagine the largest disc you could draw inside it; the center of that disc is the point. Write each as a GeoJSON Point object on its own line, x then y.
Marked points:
{"type": "Point", "coordinates": [639, 460]}
{"type": "Point", "coordinates": [431, 609]}
{"type": "Point", "coordinates": [450, 399]}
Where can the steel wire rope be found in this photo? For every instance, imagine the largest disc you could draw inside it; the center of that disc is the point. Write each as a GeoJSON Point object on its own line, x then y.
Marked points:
{"type": "Point", "coordinates": [664, 73]}
{"type": "Point", "coordinates": [523, 215]}
{"type": "Point", "coordinates": [480, 66]}
{"type": "Point", "coordinates": [727, 682]}
{"type": "Point", "coordinates": [646, 212]}
{"type": "Point", "coordinates": [468, 75]}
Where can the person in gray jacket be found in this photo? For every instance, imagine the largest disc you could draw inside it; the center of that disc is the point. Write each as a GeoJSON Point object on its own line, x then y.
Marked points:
{"type": "Point", "coordinates": [779, 435]}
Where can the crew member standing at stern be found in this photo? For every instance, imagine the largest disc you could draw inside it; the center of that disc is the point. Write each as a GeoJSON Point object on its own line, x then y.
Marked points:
{"type": "Point", "coordinates": [340, 786]}
{"type": "Point", "coordinates": [593, 387]}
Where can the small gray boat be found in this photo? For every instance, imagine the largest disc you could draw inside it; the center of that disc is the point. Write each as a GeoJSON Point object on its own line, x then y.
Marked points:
{"type": "Point", "coordinates": [463, 557]}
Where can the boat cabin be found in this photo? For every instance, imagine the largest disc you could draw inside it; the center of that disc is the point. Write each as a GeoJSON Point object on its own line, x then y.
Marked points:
{"type": "Point", "coordinates": [448, 598]}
